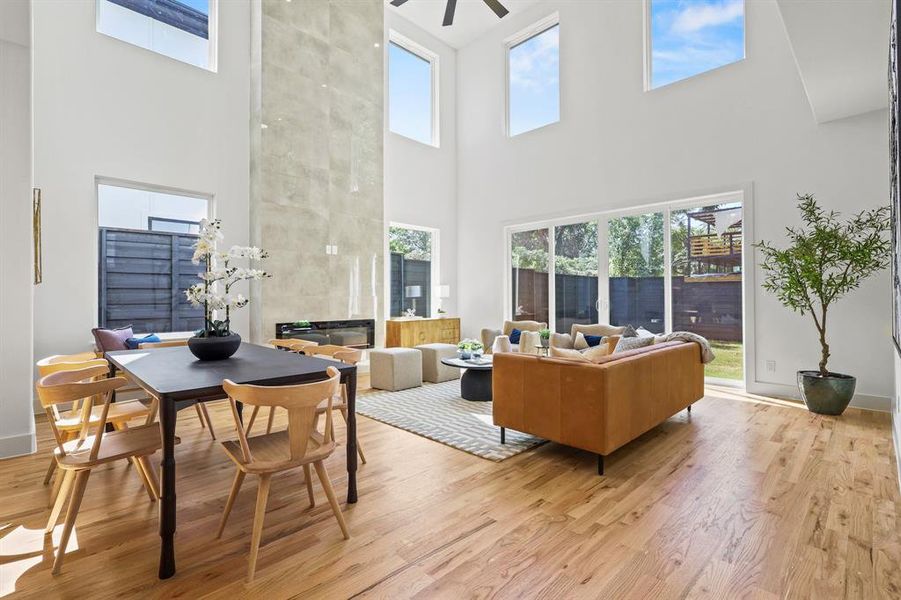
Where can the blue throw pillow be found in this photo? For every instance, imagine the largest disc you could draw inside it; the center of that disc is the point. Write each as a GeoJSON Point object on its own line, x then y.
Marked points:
{"type": "Point", "coordinates": [514, 336]}
{"type": "Point", "coordinates": [594, 340]}
{"type": "Point", "coordinates": [133, 343]}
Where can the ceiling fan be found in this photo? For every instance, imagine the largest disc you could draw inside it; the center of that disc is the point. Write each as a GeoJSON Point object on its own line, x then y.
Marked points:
{"type": "Point", "coordinates": [494, 5]}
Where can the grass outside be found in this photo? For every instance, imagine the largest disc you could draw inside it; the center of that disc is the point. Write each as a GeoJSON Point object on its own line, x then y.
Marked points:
{"type": "Point", "coordinates": [729, 361]}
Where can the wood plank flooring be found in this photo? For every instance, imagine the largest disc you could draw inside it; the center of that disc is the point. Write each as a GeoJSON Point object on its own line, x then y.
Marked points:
{"type": "Point", "coordinates": [745, 498]}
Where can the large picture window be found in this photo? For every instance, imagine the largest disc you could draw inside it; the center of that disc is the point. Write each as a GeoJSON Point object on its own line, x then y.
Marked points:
{"type": "Point", "coordinates": [144, 266]}
{"type": "Point", "coordinates": [180, 29]}
{"type": "Point", "coordinates": [412, 93]}
{"type": "Point", "coordinates": [413, 269]}
{"type": "Point", "coordinates": [689, 37]}
{"type": "Point", "coordinates": [533, 77]}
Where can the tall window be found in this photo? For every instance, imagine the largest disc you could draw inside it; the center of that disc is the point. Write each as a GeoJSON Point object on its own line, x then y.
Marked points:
{"type": "Point", "coordinates": [145, 249]}
{"type": "Point", "coordinates": [413, 270]}
{"type": "Point", "coordinates": [179, 29]}
{"type": "Point", "coordinates": [689, 37]}
{"type": "Point", "coordinates": [533, 71]}
{"type": "Point", "coordinates": [412, 97]}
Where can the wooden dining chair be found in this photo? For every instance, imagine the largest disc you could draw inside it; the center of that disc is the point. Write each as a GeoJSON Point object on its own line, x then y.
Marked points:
{"type": "Point", "coordinates": [68, 419]}
{"type": "Point", "coordinates": [350, 356]}
{"type": "Point", "coordinates": [301, 445]}
{"type": "Point", "coordinates": [289, 345]}
{"type": "Point", "coordinates": [200, 407]}
{"type": "Point", "coordinates": [92, 446]}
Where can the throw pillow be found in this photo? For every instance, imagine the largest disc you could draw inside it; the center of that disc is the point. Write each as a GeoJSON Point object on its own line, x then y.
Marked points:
{"type": "Point", "coordinates": [568, 354]}
{"type": "Point", "coordinates": [134, 343]}
{"type": "Point", "coordinates": [612, 341]}
{"type": "Point", "coordinates": [514, 336]}
{"type": "Point", "coordinates": [561, 340]}
{"type": "Point", "coordinates": [629, 331]}
{"type": "Point", "coordinates": [631, 343]}
{"type": "Point", "coordinates": [580, 342]}
{"type": "Point", "coordinates": [595, 353]}
{"type": "Point", "coordinates": [107, 340]}
{"type": "Point", "coordinates": [593, 340]}
{"type": "Point", "coordinates": [642, 332]}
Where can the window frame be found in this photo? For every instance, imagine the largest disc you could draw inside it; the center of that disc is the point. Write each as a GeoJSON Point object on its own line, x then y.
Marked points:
{"type": "Point", "coordinates": [212, 37]}
{"type": "Point", "coordinates": [518, 38]}
{"type": "Point", "coordinates": [648, 43]}
{"type": "Point", "coordinates": [434, 61]}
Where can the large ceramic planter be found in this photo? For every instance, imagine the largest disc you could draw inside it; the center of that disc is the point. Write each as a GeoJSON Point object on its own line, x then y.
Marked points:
{"type": "Point", "coordinates": [214, 348]}
{"type": "Point", "coordinates": [828, 395]}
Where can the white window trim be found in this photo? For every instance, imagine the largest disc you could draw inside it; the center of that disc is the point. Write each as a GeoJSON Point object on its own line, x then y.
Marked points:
{"type": "Point", "coordinates": [741, 192]}
{"type": "Point", "coordinates": [212, 38]}
{"type": "Point", "coordinates": [537, 28]}
{"type": "Point", "coordinates": [435, 69]}
{"type": "Point", "coordinates": [435, 265]}
{"type": "Point", "coordinates": [649, 49]}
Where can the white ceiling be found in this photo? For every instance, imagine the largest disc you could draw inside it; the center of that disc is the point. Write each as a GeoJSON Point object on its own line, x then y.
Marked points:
{"type": "Point", "coordinates": [841, 48]}
{"type": "Point", "coordinates": [472, 19]}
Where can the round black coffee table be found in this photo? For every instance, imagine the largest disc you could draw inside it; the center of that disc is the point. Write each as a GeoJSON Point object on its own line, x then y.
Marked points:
{"type": "Point", "coordinates": [475, 384]}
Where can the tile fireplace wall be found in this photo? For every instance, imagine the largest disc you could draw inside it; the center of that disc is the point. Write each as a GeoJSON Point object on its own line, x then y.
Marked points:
{"type": "Point", "coordinates": [316, 160]}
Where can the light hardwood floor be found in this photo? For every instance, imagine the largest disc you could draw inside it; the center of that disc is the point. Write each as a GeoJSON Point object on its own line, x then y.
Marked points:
{"type": "Point", "coordinates": [744, 498]}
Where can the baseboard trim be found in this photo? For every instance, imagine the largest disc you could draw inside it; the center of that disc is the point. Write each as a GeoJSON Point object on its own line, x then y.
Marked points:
{"type": "Point", "coordinates": [790, 392]}
{"type": "Point", "coordinates": [17, 445]}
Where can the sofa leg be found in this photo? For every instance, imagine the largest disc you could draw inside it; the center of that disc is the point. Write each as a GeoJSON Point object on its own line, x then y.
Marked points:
{"type": "Point", "coordinates": [503, 435]}
{"type": "Point", "coordinates": [600, 464]}
{"type": "Point", "coordinates": [689, 409]}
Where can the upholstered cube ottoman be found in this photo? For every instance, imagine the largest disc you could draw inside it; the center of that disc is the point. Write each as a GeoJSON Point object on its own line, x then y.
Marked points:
{"type": "Point", "coordinates": [395, 369]}
{"type": "Point", "coordinates": [433, 370]}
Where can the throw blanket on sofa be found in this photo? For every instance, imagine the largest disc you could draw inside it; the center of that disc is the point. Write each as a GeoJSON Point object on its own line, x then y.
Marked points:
{"type": "Point", "coordinates": [707, 354]}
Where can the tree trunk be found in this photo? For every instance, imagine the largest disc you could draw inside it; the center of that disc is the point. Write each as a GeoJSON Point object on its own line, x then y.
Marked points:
{"type": "Point", "coordinates": [824, 372]}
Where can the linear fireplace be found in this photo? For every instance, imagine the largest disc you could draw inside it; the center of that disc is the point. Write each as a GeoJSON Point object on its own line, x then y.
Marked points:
{"type": "Point", "coordinates": [356, 333]}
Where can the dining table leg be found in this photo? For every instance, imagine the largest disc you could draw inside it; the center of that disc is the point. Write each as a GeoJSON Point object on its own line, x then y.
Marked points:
{"type": "Point", "coordinates": [168, 416]}
{"type": "Point", "coordinates": [351, 384]}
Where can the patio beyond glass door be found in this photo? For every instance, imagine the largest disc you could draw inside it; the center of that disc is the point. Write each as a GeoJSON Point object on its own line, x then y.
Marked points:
{"type": "Point", "coordinates": [635, 271]}
{"type": "Point", "coordinates": [575, 275]}
{"type": "Point", "coordinates": [529, 253]}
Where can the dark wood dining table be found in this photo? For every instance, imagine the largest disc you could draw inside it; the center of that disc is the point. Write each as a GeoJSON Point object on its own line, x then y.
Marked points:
{"type": "Point", "coordinates": [178, 380]}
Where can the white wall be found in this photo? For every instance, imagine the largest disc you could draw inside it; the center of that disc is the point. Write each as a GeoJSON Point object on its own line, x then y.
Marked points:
{"type": "Point", "coordinates": [16, 421]}
{"type": "Point", "coordinates": [617, 146]}
{"type": "Point", "coordinates": [420, 180]}
{"type": "Point", "coordinates": [106, 108]}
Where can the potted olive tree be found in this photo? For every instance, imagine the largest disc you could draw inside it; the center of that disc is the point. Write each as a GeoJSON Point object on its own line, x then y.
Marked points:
{"type": "Point", "coordinates": [825, 259]}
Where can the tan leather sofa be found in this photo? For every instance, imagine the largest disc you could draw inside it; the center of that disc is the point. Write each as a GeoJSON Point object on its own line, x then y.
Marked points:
{"type": "Point", "coordinates": [488, 335]}
{"type": "Point", "coordinates": [596, 407]}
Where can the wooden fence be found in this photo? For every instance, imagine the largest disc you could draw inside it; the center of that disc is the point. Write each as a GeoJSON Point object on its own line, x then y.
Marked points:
{"type": "Point", "coordinates": [143, 277]}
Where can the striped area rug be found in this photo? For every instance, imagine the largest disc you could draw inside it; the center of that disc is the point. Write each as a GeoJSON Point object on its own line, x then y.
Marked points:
{"type": "Point", "coordinates": [436, 411]}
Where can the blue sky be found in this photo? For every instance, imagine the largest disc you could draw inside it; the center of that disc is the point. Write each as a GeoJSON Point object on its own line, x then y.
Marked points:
{"type": "Point", "coordinates": [692, 36]}
{"type": "Point", "coordinates": [201, 5]}
{"type": "Point", "coordinates": [535, 82]}
{"type": "Point", "coordinates": [410, 94]}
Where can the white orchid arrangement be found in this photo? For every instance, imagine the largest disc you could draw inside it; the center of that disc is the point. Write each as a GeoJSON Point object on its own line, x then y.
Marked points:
{"type": "Point", "coordinates": [214, 292]}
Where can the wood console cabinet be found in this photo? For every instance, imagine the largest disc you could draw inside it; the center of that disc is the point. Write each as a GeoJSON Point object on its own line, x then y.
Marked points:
{"type": "Point", "coordinates": [413, 332]}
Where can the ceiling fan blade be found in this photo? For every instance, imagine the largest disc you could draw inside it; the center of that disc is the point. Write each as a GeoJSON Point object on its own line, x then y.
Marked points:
{"type": "Point", "coordinates": [449, 12]}
{"type": "Point", "coordinates": [497, 7]}
{"type": "Point", "coordinates": [397, 2]}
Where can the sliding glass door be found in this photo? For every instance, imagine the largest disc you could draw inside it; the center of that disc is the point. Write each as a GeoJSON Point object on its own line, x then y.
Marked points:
{"type": "Point", "coordinates": [707, 281]}
{"type": "Point", "coordinates": [575, 275]}
{"type": "Point", "coordinates": [529, 253]}
{"type": "Point", "coordinates": [635, 281]}
{"type": "Point", "coordinates": [677, 267]}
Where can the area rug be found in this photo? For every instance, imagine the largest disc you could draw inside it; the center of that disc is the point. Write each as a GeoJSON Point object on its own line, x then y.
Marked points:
{"type": "Point", "coordinates": [437, 412]}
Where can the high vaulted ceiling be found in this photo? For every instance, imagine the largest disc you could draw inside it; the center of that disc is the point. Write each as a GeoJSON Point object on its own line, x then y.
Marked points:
{"type": "Point", "coordinates": [473, 18]}
{"type": "Point", "coordinates": [841, 47]}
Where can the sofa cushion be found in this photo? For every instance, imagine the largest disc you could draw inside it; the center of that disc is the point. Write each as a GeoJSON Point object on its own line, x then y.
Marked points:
{"type": "Point", "coordinates": [108, 340]}
{"type": "Point", "coordinates": [601, 329]}
{"type": "Point", "coordinates": [595, 353]}
{"type": "Point", "coordinates": [633, 343]}
{"type": "Point", "coordinates": [569, 354]}
{"type": "Point", "coordinates": [561, 340]}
